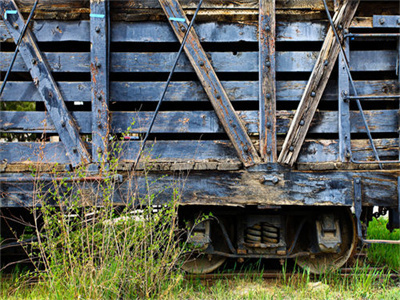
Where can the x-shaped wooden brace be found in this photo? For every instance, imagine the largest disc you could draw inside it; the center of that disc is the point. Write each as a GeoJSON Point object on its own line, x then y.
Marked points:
{"type": "Point", "coordinates": [212, 86]}
{"type": "Point", "coordinates": [316, 85]}
{"type": "Point", "coordinates": [47, 87]}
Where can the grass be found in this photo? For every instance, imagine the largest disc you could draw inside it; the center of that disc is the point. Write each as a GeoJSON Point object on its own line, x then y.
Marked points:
{"type": "Point", "coordinates": [386, 255]}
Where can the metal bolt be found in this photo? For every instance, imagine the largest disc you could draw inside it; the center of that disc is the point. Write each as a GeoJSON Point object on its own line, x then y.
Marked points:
{"type": "Point", "coordinates": [16, 26]}
{"type": "Point", "coordinates": [99, 97]}
{"type": "Point", "coordinates": [268, 125]}
{"type": "Point", "coordinates": [340, 27]}
{"type": "Point", "coordinates": [275, 180]}
{"type": "Point", "coordinates": [301, 123]}
{"type": "Point", "coordinates": [34, 61]}
{"type": "Point", "coordinates": [268, 64]}
{"type": "Point", "coordinates": [398, 21]}
{"type": "Point", "coordinates": [268, 151]}
{"type": "Point", "coordinates": [74, 150]}
{"type": "Point", "coordinates": [346, 136]}
{"type": "Point", "coordinates": [326, 62]}
{"type": "Point", "coordinates": [267, 28]}
{"type": "Point", "coordinates": [382, 21]}
{"type": "Point", "coordinates": [100, 126]}
{"type": "Point", "coordinates": [291, 148]}
{"type": "Point", "coordinates": [268, 96]}
{"type": "Point", "coordinates": [63, 124]}
{"type": "Point", "coordinates": [345, 93]}
{"type": "Point", "coordinates": [313, 94]}
{"type": "Point", "coordinates": [183, 28]}
{"type": "Point", "coordinates": [218, 96]}
{"type": "Point", "coordinates": [97, 29]}
{"type": "Point", "coordinates": [98, 65]}
{"type": "Point", "coordinates": [358, 180]}
{"type": "Point", "coordinates": [201, 64]}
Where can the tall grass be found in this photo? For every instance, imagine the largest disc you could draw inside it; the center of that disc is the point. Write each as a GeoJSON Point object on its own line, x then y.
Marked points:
{"type": "Point", "coordinates": [88, 248]}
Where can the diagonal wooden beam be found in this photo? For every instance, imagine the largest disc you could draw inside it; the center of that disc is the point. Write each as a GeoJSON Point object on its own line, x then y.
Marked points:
{"type": "Point", "coordinates": [99, 68]}
{"type": "Point", "coordinates": [47, 87]}
{"type": "Point", "coordinates": [211, 84]}
{"type": "Point", "coordinates": [267, 76]}
{"type": "Point", "coordinates": [316, 85]}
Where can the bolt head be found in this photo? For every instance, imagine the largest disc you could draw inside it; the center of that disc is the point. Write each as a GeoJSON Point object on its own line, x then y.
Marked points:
{"type": "Point", "coordinates": [63, 124]}
{"type": "Point", "coordinates": [218, 96]}
{"type": "Point", "coordinates": [398, 21]}
{"type": "Point", "coordinates": [326, 62]}
{"type": "Point", "coordinates": [358, 180]}
{"type": "Point", "coordinates": [34, 61]}
{"type": "Point", "coordinates": [275, 180]}
{"type": "Point", "coordinates": [97, 29]}
{"type": "Point", "coordinates": [301, 123]}
{"type": "Point", "coordinates": [201, 64]}
{"type": "Point", "coordinates": [313, 94]}
{"type": "Point", "coordinates": [267, 28]}
{"type": "Point", "coordinates": [268, 125]}
{"type": "Point", "coordinates": [291, 148]}
{"type": "Point", "coordinates": [382, 21]}
{"type": "Point", "coordinates": [268, 64]}
{"type": "Point", "coordinates": [268, 96]}
{"type": "Point", "coordinates": [99, 97]}
{"type": "Point", "coordinates": [98, 65]}
{"type": "Point", "coordinates": [16, 26]}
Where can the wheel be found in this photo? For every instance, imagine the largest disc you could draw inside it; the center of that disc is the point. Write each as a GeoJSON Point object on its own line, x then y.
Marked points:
{"type": "Point", "coordinates": [202, 263]}
{"type": "Point", "coordinates": [324, 262]}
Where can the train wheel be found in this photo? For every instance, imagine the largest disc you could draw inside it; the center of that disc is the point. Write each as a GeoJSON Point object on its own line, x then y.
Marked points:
{"type": "Point", "coordinates": [202, 263]}
{"type": "Point", "coordinates": [324, 262]}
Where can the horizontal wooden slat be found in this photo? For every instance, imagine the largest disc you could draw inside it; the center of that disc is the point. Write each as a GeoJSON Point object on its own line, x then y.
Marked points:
{"type": "Point", "coordinates": [313, 151]}
{"type": "Point", "coordinates": [160, 32]}
{"type": "Point", "coordinates": [195, 122]}
{"type": "Point", "coordinates": [64, 5]}
{"type": "Point", "coordinates": [384, 60]}
{"type": "Point", "coordinates": [191, 90]}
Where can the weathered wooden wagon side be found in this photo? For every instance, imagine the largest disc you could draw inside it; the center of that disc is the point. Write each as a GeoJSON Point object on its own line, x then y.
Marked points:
{"type": "Point", "coordinates": [270, 112]}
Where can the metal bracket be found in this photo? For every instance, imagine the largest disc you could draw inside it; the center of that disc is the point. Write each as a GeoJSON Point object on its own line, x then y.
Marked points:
{"type": "Point", "coordinates": [358, 210]}
{"type": "Point", "coordinates": [379, 21]}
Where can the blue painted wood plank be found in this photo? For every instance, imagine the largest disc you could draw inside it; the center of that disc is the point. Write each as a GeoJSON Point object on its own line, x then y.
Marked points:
{"type": "Point", "coordinates": [384, 60]}
{"type": "Point", "coordinates": [382, 121]}
{"type": "Point", "coordinates": [191, 90]}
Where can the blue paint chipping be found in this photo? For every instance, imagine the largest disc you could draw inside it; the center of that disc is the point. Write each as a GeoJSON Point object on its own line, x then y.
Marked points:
{"type": "Point", "coordinates": [9, 12]}
{"type": "Point", "coordinates": [183, 20]}
{"type": "Point", "coordinates": [97, 16]}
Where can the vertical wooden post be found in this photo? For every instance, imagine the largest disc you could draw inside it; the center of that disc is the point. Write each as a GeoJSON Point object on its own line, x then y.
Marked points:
{"type": "Point", "coordinates": [344, 106]}
{"type": "Point", "coordinates": [99, 68]}
{"type": "Point", "coordinates": [267, 86]}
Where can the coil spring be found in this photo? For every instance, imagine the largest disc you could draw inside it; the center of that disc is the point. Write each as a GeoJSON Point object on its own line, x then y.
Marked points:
{"type": "Point", "coordinates": [270, 233]}
{"type": "Point", "coordinates": [254, 234]}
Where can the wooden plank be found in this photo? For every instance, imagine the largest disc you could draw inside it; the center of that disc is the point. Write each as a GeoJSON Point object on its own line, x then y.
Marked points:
{"type": "Point", "coordinates": [181, 122]}
{"type": "Point", "coordinates": [192, 90]}
{"type": "Point", "coordinates": [205, 152]}
{"type": "Point", "coordinates": [317, 83]}
{"type": "Point", "coordinates": [64, 5]}
{"type": "Point", "coordinates": [267, 80]}
{"type": "Point", "coordinates": [47, 87]}
{"type": "Point", "coordinates": [344, 106]}
{"type": "Point", "coordinates": [161, 32]}
{"type": "Point", "coordinates": [384, 60]}
{"type": "Point", "coordinates": [99, 69]}
{"type": "Point", "coordinates": [213, 87]}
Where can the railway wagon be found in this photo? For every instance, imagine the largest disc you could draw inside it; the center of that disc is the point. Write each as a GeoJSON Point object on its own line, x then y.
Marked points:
{"type": "Point", "coordinates": [277, 118]}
